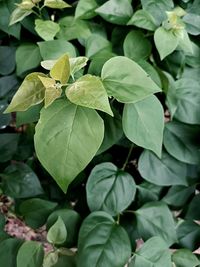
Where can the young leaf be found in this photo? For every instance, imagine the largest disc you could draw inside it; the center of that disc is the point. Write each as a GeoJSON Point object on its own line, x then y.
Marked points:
{"type": "Point", "coordinates": [153, 253]}
{"type": "Point", "coordinates": [19, 14]}
{"type": "Point", "coordinates": [105, 187]}
{"type": "Point", "coordinates": [116, 11]}
{"type": "Point", "coordinates": [88, 91]}
{"type": "Point", "coordinates": [30, 254]}
{"type": "Point", "coordinates": [26, 4]}
{"type": "Point", "coordinates": [185, 258]}
{"type": "Point", "coordinates": [164, 171]}
{"type": "Point", "coordinates": [76, 64]}
{"type": "Point", "coordinates": [125, 80]}
{"type": "Point", "coordinates": [30, 93]}
{"type": "Point", "coordinates": [86, 9]}
{"type": "Point", "coordinates": [61, 69]}
{"type": "Point", "coordinates": [100, 249]}
{"type": "Point", "coordinates": [57, 4]}
{"type": "Point", "coordinates": [72, 151]}
{"type": "Point", "coordinates": [57, 234]}
{"type": "Point", "coordinates": [166, 42]}
{"type": "Point", "coordinates": [155, 219]}
{"type": "Point", "coordinates": [46, 29]}
{"type": "Point", "coordinates": [143, 123]}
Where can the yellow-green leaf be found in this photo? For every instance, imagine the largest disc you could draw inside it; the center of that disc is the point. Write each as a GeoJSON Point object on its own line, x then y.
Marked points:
{"type": "Point", "coordinates": [47, 82]}
{"type": "Point", "coordinates": [88, 91]}
{"type": "Point", "coordinates": [30, 93]}
{"type": "Point", "coordinates": [61, 69]}
{"type": "Point", "coordinates": [59, 4]}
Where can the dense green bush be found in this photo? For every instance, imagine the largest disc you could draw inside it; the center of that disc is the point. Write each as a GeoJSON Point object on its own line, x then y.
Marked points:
{"type": "Point", "coordinates": [99, 132]}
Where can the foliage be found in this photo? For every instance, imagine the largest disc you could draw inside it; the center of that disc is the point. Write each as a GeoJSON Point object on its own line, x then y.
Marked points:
{"type": "Point", "coordinates": [99, 131]}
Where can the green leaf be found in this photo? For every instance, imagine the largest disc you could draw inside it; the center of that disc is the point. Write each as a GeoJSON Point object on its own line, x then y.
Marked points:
{"type": "Point", "coordinates": [166, 42]}
{"type": "Point", "coordinates": [184, 42]}
{"type": "Point", "coordinates": [148, 192]}
{"type": "Point", "coordinates": [100, 249]}
{"type": "Point", "coordinates": [143, 19]}
{"type": "Point", "coordinates": [88, 91]}
{"type": "Point", "coordinates": [165, 171]}
{"type": "Point", "coordinates": [30, 254]}
{"type": "Point", "coordinates": [46, 29]}
{"type": "Point", "coordinates": [53, 140]}
{"type": "Point", "coordinates": [86, 9]}
{"type": "Point", "coordinates": [59, 4]}
{"type": "Point", "coordinates": [18, 15]}
{"type": "Point", "coordinates": [7, 83]}
{"type": "Point", "coordinates": [97, 44]}
{"type": "Point", "coordinates": [192, 22]}
{"type": "Point", "coordinates": [178, 195]}
{"type": "Point", "coordinates": [61, 69]}
{"type": "Point", "coordinates": [7, 60]}
{"type": "Point", "coordinates": [157, 8]}
{"type": "Point", "coordinates": [55, 49]}
{"type": "Point", "coordinates": [143, 123]}
{"type": "Point", "coordinates": [50, 259]}
{"type": "Point", "coordinates": [72, 223]}
{"type": "Point", "coordinates": [155, 219]}
{"type": "Point", "coordinates": [109, 189]}
{"type": "Point", "coordinates": [30, 115]}
{"type": "Point", "coordinates": [116, 11]}
{"type": "Point", "coordinates": [31, 53]}
{"type": "Point", "coordinates": [8, 251]}
{"type": "Point", "coordinates": [8, 145]}
{"type": "Point", "coordinates": [193, 210]}
{"type": "Point", "coordinates": [19, 181]}
{"type": "Point", "coordinates": [185, 258]}
{"type": "Point", "coordinates": [187, 93]}
{"type": "Point", "coordinates": [125, 80]}
{"type": "Point", "coordinates": [188, 234]}
{"type": "Point", "coordinates": [36, 211]}
{"type": "Point", "coordinates": [136, 46]}
{"type": "Point", "coordinates": [77, 64]}
{"type": "Point", "coordinates": [181, 141]}
{"type": "Point", "coordinates": [57, 234]}
{"type": "Point", "coordinates": [153, 253]}
{"type": "Point", "coordinates": [30, 93]}
{"type": "Point", "coordinates": [26, 4]}
{"type": "Point", "coordinates": [70, 29]}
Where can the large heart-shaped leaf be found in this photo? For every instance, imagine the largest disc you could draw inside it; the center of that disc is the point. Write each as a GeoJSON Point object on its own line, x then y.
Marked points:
{"type": "Point", "coordinates": [100, 240]}
{"type": "Point", "coordinates": [143, 123]}
{"type": "Point", "coordinates": [125, 80]}
{"type": "Point", "coordinates": [88, 91]}
{"type": "Point", "coordinates": [110, 189]}
{"type": "Point", "coordinates": [68, 133]}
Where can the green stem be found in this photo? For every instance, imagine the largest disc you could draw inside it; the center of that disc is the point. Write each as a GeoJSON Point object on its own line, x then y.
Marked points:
{"type": "Point", "coordinates": [128, 157]}
{"type": "Point", "coordinates": [118, 218]}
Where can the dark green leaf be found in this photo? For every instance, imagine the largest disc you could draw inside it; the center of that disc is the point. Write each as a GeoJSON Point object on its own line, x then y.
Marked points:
{"type": "Point", "coordinates": [8, 146]}
{"type": "Point", "coordinates": [7, 60]}
{"type": "Point", "coordinates": [193, 209]}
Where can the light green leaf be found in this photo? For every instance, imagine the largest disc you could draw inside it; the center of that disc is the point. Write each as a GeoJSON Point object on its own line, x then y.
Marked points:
{"type": "Point", "coordinates": [76, 64]}
{"type": "Point", "coordinates": [116, 11]}
{"type": "Point", "coordinates": [86, 9]}
{"type": "Point", "coordinates": [70, 28]}
{"type": "Point", "coordinates": [143, 123]}
{"type": "Point", "coordinates": [180, 140]}
{"type": "Point", "coordinates": [187, 94]}
{"type": "Point", "coordinates": [143, 19]}
{"type": "Point", "coordinates": [73, 151]}
{"type": "Point", "coordinates": [185, 258]}
{"type": "Point", "coordinates": [59, 4]}
{"type": "Point", "coordinates": [125, 80]}
{"type": "Point", "coordinates": [155, 219]}
{"type": "Point", "coordinates": [26, 4]}
{"type": "Point", "coordinates": [46, 29]}
{"type": "Point", "coordinates": [100, 249]}
{"type": "Point", "coordinates": [30, 254]}
{"type": "Point", "coordinates": [30, 93]}
{"type": "Point", "coordinates": [50, 259]}
{"type": "Point", "coordinates": [166, 41]}
{"type": "Point", "coordinates": [136, 46]}
{"type": "Point", "coordinates": [184, 42]}
{"type": "Point", "coordinates": [192, 22]}
{"type": "Point", "coordinates": [57, 234]}
{"type": "Point", "coordinates": [153, 253]}
{"type": "Point", "coordinates": [88, 91]}
{"type": "Point", "coordinates": [109, 189]}
{"type": "Point", "coordinates": [54, 49]}
{"type": "Point", "coordinates": [157, 8]}
{"type": "Point", "coordinates": [19, 14]}
{"type": "Point", "coordinates": [61, 69]}
{"type": "Point", "coordinates": [31, 53]}
{"type": "Point", "coordinates": [164, 171]}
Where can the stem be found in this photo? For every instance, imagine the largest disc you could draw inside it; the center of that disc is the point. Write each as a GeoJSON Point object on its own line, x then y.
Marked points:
{"type": "Point", "coordinates": [127, 159]}
{"type": "Point", "coordinates": [34, 12]}
{"type": "Point", "coordinates": [118, 218]}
